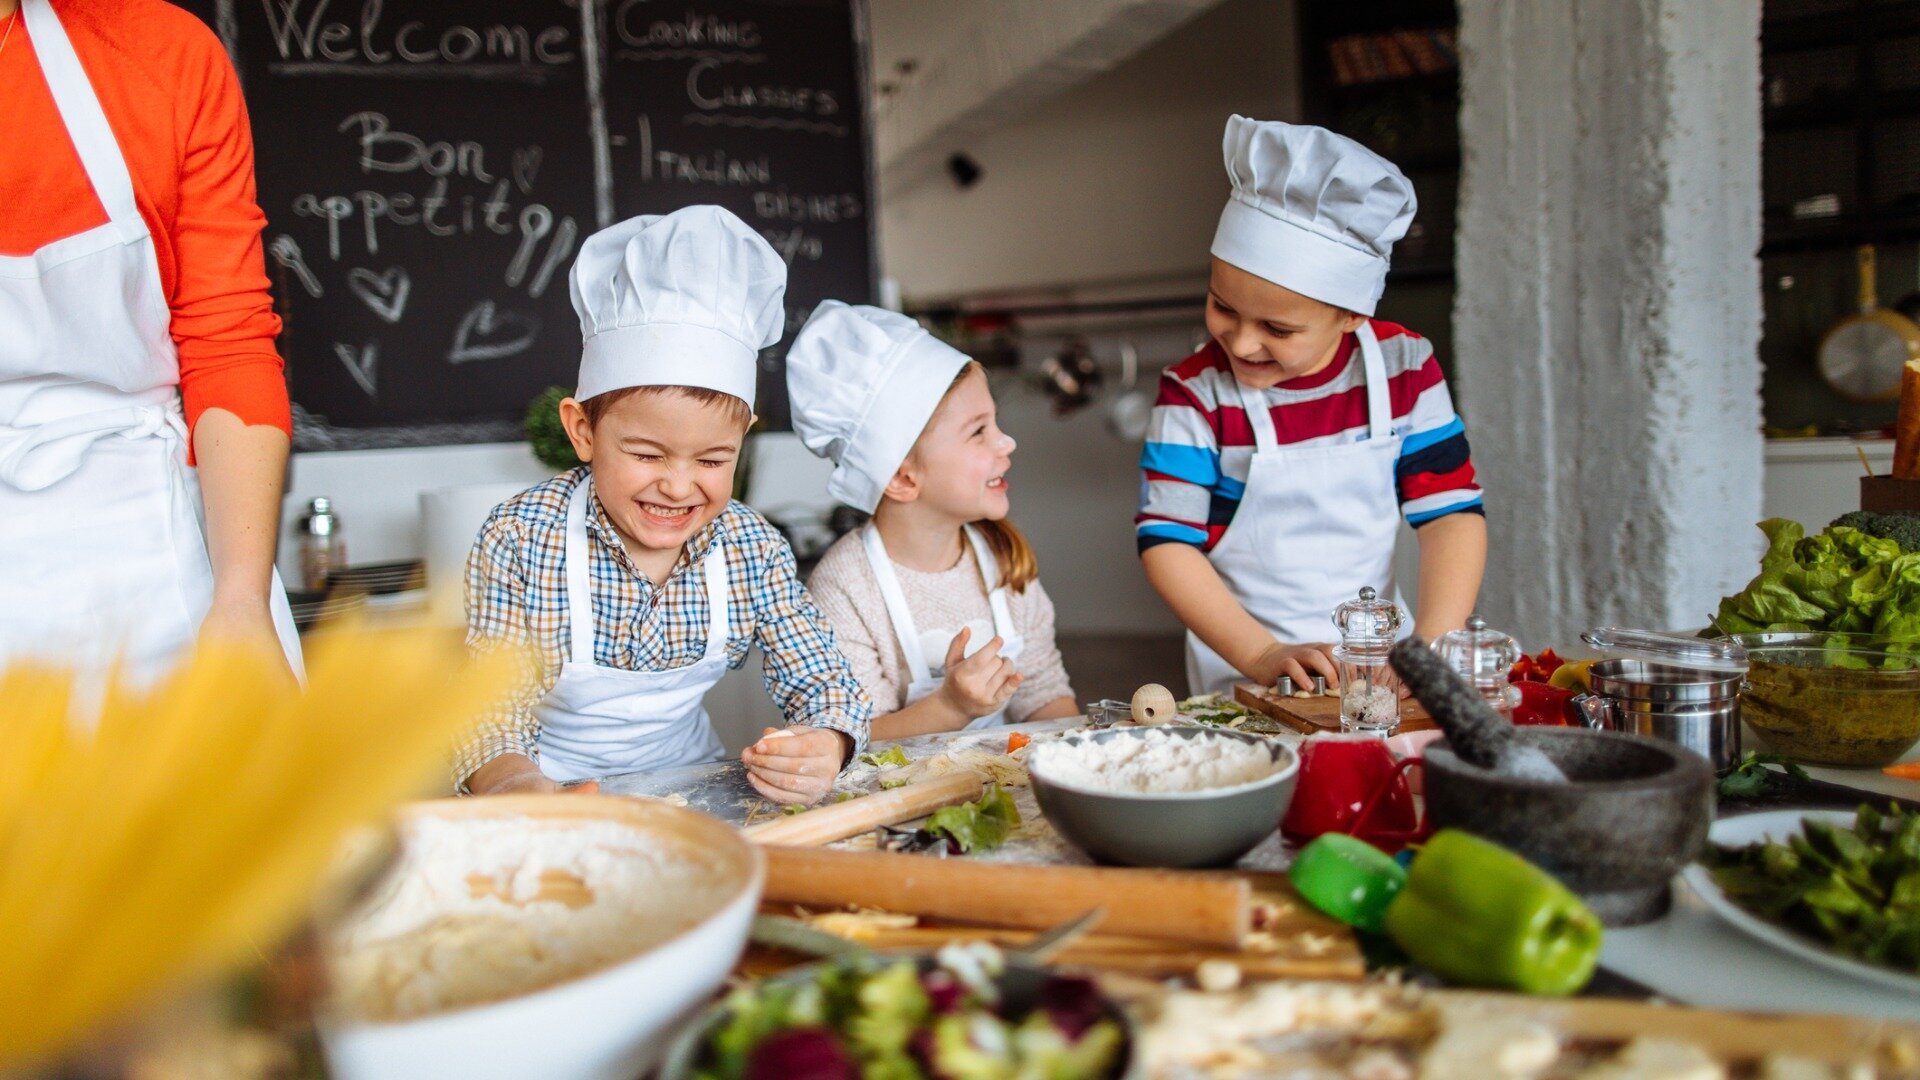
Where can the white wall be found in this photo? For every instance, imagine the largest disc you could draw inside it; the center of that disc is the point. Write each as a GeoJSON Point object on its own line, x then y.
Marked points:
{"type": "Point", "coordinates": [1116, 180]}
{"type": "Point", "coordinates": [377, 493]}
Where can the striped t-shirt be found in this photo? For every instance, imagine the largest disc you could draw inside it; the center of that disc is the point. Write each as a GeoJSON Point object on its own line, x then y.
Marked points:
{"type": "Point", "coordinates": [1200, 444]}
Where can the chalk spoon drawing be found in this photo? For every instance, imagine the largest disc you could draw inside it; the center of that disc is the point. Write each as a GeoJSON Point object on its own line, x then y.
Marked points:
{"type": "Point", "coordinates": [360, 363]}
{"type": "Point", "coordinates": [385, 293]}
{"type": "Point", "coordinates": [487, 333]}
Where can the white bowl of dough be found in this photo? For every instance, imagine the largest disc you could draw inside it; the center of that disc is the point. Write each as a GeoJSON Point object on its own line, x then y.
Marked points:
{"type": "Point", "coordinates": [536, 936]}
{"type": "Point", "coordinates": [1165, 795]}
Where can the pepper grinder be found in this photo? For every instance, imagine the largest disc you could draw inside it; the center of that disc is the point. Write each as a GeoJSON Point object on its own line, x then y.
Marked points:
{"type": "Point", "coordinates": [1369, 688]}
{"type": "Point", "coordinates": [323, 550]}
{"type": "Point", "coordinates": [1483, 657]}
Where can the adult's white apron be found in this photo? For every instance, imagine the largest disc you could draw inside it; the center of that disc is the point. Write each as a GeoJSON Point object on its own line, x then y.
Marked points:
{"type": "Point", "coordinates": [1316, 524]}
{"type": "Point", "coordinates": [918, 646]}
{"type": "Point", "coordinates": [103, 555]}
{"type": "Point", "coordinates": [601, 721]}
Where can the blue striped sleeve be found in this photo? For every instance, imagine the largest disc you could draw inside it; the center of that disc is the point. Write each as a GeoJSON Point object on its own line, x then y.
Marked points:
{"type": "Point", "coordinates": [1192, 464]}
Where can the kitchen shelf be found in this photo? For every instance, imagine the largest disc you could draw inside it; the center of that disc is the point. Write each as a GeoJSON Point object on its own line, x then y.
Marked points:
{"type": "Point", "coordinates": [1825, 30]}
{"type": "Point", "coordinates": [1845, 231]}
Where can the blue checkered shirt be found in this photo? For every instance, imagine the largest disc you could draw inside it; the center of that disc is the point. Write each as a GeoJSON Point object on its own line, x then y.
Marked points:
{"type": "Point", "coordinates": [517, 595]}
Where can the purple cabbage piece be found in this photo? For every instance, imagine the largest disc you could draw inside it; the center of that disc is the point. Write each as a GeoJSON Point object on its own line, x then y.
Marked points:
{"type": "Point", "coordinates": [1073, 1004]}
{"type": "Point", "coordinates": [809, 1053]}
{"type": "Point", "coordinates": [947, 994]}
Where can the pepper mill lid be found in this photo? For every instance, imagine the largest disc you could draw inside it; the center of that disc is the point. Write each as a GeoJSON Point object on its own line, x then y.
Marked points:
{"type": "Point", "coordinates": [320, 520]}
{"type": "Point", "coordinates": [1480, 655]}
{"type": "Point", "coordinates": [1368, 618]}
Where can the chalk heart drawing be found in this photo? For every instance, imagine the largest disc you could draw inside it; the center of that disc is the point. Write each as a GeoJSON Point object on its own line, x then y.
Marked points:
{"type": "Point", "coordinates": [360, 363]}
{"type": "Point", "coordinates": [385, 293]}
{"type": "Point", "coordinates": [526, 166]}
{"type": "Point", "coordinates": [488, 333]}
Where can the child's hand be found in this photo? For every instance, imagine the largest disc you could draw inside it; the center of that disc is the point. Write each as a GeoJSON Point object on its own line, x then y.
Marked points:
{"type": "Point", "coordinates": [1301, 662]}
{"type": "Point", "coordinates": [795, 765]}
{"type": "Point", "coordinates": [516, 774]}
{"type": "Point", "coordinates": [980, 684]}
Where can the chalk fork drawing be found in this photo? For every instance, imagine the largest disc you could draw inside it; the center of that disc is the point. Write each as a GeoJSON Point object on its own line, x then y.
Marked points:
{"type": "Point", "coordinates": [360, 363]}
{"type": "Point", "coordinates": [526, 165]}
{"type": "Point", "coordinates": [487, 333]}
{"type": "Point", "coordinates": [386, 293]}
{"type": "Point", "coordinates": [286, 252]}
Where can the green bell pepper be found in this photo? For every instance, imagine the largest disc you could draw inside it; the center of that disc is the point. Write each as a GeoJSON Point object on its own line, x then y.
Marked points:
{"type": "Point", "coordinates": [1475, 913]}
{"type": "Point", "coordinates": [1348, 879]}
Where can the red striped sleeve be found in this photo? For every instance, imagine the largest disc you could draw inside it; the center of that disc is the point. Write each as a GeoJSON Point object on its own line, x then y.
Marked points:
{"type": "Point", "coordinates": [1420, 485]}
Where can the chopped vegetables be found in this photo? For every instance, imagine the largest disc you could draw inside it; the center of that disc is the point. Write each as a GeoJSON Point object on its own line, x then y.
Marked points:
{"type": "Point", "coordinates": [1017, 740]}
{"type": "Point", "coordinates": [1535, 668]}
{"type": "Point", "coordinates": [899, 1020]}
{"type": "Point", "coordinates": [1857, 889]}
{"type": "Point", "coordinates": [1473, 912]}
{"type": "Point", "coordinates": [891, 757]}
{"type": "Point", "coordinates": [977, 826]}
{"type": "Point", "coordinates": [1908, 771]}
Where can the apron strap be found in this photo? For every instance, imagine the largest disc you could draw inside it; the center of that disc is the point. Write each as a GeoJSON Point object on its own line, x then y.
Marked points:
{"type": "Point", "coordinates": [1379, 400]}
{"type": "Point", "coordinates": [717, 597]}
{"type": "Point", "coordinates": [579, 577]}
{"type": "Point", "coordinates": [996, 592]}
{"type": "Point", "coordinates": [37, 457]}
{"type": "Point", "coordinates": [897, 613]}
{"type": "Point", "coordinates": [86, 122]}
{"type": "Point", "coordinates": [1259, 417]}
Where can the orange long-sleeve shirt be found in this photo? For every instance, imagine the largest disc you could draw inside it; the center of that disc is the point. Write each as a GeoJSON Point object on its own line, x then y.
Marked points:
{"type": "Point", "coordinates": [171, 97]}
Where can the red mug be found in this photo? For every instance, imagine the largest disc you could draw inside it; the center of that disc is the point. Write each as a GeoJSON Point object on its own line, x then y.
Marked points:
{"type": "Point", "coordinates": [1352, 785]}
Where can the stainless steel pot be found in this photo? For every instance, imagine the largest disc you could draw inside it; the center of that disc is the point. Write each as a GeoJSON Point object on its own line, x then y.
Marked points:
{"type": "Point", "coordinates": [1699, 710]}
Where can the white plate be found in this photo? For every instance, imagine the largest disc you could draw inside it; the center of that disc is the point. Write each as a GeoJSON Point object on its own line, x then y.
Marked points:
{"type": "Point", "coordinates": [1777, 826]}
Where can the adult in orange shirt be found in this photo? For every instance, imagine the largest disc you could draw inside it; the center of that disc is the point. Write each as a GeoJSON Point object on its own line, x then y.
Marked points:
{"type": "Point", "coordinates": [136, 340]}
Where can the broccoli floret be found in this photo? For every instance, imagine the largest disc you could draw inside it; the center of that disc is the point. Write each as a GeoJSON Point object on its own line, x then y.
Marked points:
{"type": "Point", "coordinates": [1902, 526]}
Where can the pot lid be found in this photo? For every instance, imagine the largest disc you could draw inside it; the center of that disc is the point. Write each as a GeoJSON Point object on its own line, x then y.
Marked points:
{"type": "Point", "coordinates": [1700, 654]}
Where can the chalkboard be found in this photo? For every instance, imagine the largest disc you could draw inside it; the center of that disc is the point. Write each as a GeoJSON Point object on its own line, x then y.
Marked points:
{"type": "Point", "coordinates": [428, 170]}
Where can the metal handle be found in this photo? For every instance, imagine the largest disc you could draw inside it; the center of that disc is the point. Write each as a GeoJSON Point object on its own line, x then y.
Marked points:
{"type": "Point", "coordinates": [1869, 287]}
{"type": "Point", "coordinates": [1594, 711]}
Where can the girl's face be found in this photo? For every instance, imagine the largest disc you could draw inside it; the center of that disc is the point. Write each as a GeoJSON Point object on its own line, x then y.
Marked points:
{"type": "Point", "coordinates": [1270, 333]}
{"type": "Point", "coordinates": [959, 464]}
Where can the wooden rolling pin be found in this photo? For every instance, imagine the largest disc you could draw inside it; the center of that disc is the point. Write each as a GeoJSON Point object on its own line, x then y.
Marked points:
{"type": "Point", "coordinates": [855, 816]}
{"type": "Point", "coordinates": [1204, 909]}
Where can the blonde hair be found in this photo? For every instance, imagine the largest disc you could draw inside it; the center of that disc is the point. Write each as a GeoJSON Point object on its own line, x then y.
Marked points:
{"type": "Point", "coordinates": [1018, 566]}
{"type": "Point", "coordinates": [596, 407]}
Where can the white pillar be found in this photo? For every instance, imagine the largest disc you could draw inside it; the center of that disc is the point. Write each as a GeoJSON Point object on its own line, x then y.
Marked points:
{"type": "Point", "coordinates": [1607, 319]}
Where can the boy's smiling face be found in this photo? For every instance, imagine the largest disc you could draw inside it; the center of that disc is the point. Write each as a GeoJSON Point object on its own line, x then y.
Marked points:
{"type": "Point", "coordinates": [663, 462]}
{"type": "Point", "coordinates": [1270, 333]}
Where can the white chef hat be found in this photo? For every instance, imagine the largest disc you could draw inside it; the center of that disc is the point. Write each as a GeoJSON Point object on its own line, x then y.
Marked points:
{"type": "Point", "coordinates": [1312, 211]}
{"type": "Point", "coordinates": [685, 299]}
{"type": "Point", "coordinates": [862, 383]}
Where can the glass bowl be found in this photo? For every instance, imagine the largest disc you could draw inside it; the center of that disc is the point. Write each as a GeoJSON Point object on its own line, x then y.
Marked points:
{"type": "Point", "coordinates": [1831, 698]}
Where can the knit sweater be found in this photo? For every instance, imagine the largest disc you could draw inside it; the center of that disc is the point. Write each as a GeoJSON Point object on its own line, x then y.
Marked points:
{"type": "Point", "coordinates": [944, 601]}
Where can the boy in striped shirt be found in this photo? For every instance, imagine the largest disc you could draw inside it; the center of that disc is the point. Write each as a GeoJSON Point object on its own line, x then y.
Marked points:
{"type": "Point", "coordinates": [1282, 455]}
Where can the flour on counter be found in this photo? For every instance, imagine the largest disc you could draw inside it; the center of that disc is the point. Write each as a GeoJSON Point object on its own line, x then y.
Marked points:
{"type": "Point", "coordinates": [1154, 761]}
{"type": "Point", "coordinates": [488, 908]}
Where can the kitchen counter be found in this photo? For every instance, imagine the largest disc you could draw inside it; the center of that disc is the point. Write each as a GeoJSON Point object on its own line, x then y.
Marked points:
{"type": "Point", "coordinates": [1689, 956]}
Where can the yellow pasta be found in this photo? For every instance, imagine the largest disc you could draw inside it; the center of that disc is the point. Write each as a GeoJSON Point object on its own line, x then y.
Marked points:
{"type": "Point", "coordinates": [187, 827]}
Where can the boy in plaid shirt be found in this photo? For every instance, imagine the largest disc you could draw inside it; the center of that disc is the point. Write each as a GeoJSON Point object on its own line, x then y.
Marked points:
{"type": "Point", "coordinates": [635, 581]}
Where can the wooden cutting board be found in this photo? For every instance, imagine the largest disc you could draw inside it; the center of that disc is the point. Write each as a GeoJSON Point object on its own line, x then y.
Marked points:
{"type": "Point", "coordinates": [1290, 941]}
{"type": "Point", "coordinates": [1311, 715]}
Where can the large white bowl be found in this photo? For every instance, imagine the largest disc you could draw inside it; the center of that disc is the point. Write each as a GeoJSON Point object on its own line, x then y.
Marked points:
{"type": "Point", "coordinates": [606, 1024]}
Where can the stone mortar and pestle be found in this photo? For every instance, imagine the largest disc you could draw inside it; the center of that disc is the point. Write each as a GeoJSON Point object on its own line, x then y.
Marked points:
{"type": "Point", "coordinates": [1613, 816]}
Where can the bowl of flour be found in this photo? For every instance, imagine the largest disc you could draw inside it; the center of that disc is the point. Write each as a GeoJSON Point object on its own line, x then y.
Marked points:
{"type": "Point", "coordinates": [523, 936]}
{"type": "Point", "coordinates": [1169, 796]}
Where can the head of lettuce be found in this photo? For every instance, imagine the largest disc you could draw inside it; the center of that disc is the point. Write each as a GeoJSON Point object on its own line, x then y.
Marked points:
{"type": "Point", "coordinates": [1840, 580]}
